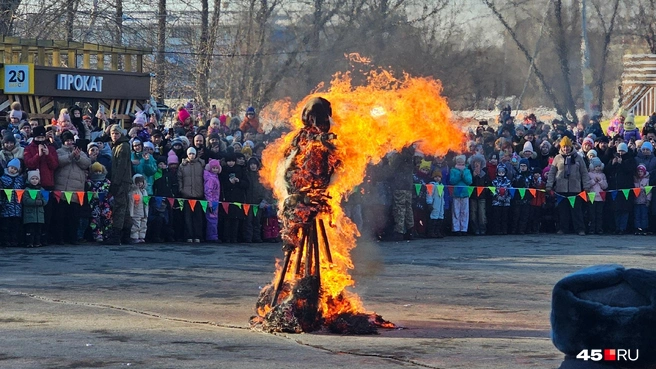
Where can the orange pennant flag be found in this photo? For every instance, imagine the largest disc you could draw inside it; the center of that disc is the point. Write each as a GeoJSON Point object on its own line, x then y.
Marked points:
{"type": "Point", "coordinates": [636, 191]}
{"type": "Point", "coordinates": [246, 208]}
{"type": "Point", "coordinates": [80, 196]}
{"type": "Point", "coordinates": [429, 188]}
{"type": "Point", "coordinates": [19, 194]}
{"type": "Point", "coordinates": [136, 197]}
{"type": "Point", "coordinates": [584, 196]}
{"type": "Point", "coordinates": [479, 191]}
{"type": "Point", "coordinates": [192, 203]}
{"type": "Point", "coordinates": [532, 191]}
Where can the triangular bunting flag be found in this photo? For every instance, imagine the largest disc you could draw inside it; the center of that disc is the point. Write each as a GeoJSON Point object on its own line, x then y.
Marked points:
{"type": "Point", "coordinates": [572, 200]}
{"type": "Point", "coordinates": [522, 193]}
{"type": "Point", "coordinates": [102, 195]}
{"type": "Point", "coordinates": [80, 197]}
{"type": "Point", "coordinates": [417, 188]}
{"type": "Point", "coordinates": [158, 201]}
{"type": "Point", "coordinates": [89, 196]}
{"type": "Point", "coordinates": [648, 189]}
{"type": "Point", "coordinates": [532, 191]}
{"type": "Point", "coordinates": [512, 192]}
{"type": "Point", "coordinates": [215, 205]}
{"type": "Point", "coordinates": [136, 197]}
{"type": "Point", "coordinates": [246, 208]}
{"type": "Point", "coordinates": [46, 195]}
{"type": "Point", "coordinates": [450, 188]}
{"type": "Point", "coordinates": [19, 195]}
{"type": "Point", "coordinates": [470, 190]}
{"type": "Point", "coordinates": [559, 199]}
{"type": "Point", "coordinates": [238, 204]}
{"type": "Point", "coordinates": [429, 189]}
{"type": "Point", "coordinates": [57, 195]}
{"type": "Point", "coordinates": [181, 203]}
{"type": "Point", "coordinates": [192, 204]}
{"type": "Point", "coordinates": [492, 189]}
{"type": "Point", "coordinates": [636, 192]}
{"type": "Point", "coordinates": [591, 196]}
{"type": "Point", "coordinates": [603, 195]}
{"type": "Point", "coordinates": [146, 200]}
{"type": "Point", "coordinates": [440, 190]}
{"type": "Point", "coordinates": [613, 194]}
{"type": "Point", "coordinates": [583, 195]}
{"type": "Point", "coordinates": [255, 209]}
{"type": "Point", "coordinates": [33, 193]}
{"type": "Point", "coordinates": [479, 190]}
{"type": "Point", "coordinates": [225, 205]}
{"type": "Point", "coordinates": [68, 195]}
{"type": "Point", "coordinates": [170, 200]}
{"type": "Point", "coordinates": [203, 205]}
{"type": "Point", "coordinates": [8, 194]}
{"type": "Point", "coordinates": [626, 193]}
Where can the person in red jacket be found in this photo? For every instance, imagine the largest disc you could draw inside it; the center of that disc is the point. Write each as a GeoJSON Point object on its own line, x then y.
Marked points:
{"type": "Point", "coordinates": [251, 123]}
{"type": "Point", "coordinates": [42, 155]}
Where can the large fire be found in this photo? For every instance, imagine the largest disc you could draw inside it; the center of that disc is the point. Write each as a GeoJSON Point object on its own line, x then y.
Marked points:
{"type": "Point", "coordinates": [383, 115]}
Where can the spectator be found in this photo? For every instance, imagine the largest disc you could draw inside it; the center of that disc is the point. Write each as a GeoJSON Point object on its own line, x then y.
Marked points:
{"type": "Point", "coordinates": [10, 150]}
{"type": "Point", "coordinates": [478, 202]}
{"type": "Point", "coordinates": [251, 123]}
{"type": "Point", "coordinates": [10, 207]}
{"type": "Point", "coordinates": [460, 177]}
{"type": "Point", "coordinates": [138, 209]}
{"type": "Point", "coordinates": [233, 190]}
{"type": "Point", "coordinates": [620, 174]}
{"type": "Point", "coordinates": [254, 196]}
{"type": "Point", "coordinates": [520, 206]}
{"type": "Point", "coordinates": [401, 185]}
{"type": "Point", "coordinates": [100, 221]}
{"type": "Point", "coordinates": [435, 201]}
{"type": "Point", "coordinates": [501, 201]}
{"type": "Point", "coordinates": [190, 183]}
{"type": "Point", "coordinates": [641, 215]}
{"type": "Point", "coordinates": [121, 180]}
{"type": "Point", "coordinates": [33, 209]}
{"type": "Point", "coordinates": [212, 191]}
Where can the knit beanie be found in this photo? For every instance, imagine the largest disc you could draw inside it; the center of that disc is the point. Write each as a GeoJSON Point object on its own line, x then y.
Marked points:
{"type": "Point", "coordinates": [592, 154]}
{"type": "Point", "coordinates": [565, 141]}
{"type": "Point", "coordinates": [97, 167]}
{"type": "Point", "coordinates": [148, 145]}
{"type": "Point", "coordinates": [191, 150]}
{"type": "Point", "coordinates": [140, 119]}
{"type": "Point", "coordinates": [622, 147]}
{"type": "Point", "coordinates": [528, 146]}
{"type": "Point", "coordinates": [115, 127]}
{"type": "Point", "coordinates": [172, 158]}
{"type": "Point", "coordinates": [524, 161]}
{"type": "Point", "coordinates": [34, 173]}
{"type": "Point", "coordinates": [596, 162]}
{"type": "Point", "coordinates": [183, 114]}
{"type": "Point", "coordinates": [14, 163]}
{"type": "Point", "coordinates": [589, 141]}
{"type": "Point", "coordinates": [213, 163]}
{"type": "Point", "coordinates": [424, 165]}
{"type": "Point", "coordinates": [647, 145]}
{"type": "Point", "coordinates": [16, 114]}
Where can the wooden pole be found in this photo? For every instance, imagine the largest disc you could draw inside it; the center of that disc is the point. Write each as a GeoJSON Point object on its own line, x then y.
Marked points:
{"type": "Point", "coordinates": [299, 254]}
{"type": "Point", "coordinates": [326, 245]}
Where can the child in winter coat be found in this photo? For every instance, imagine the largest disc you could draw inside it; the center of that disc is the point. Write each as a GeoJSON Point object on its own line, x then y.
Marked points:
{"type": "Point", "coordinates": [421, 177]}
{"type": "Point", "coordinates": [100, 204]}
{"type": "Point", "coordinates": [33, 209]}
{"type": "Point", "coordinates": [460, 177]}
{"type": "Point", "coordinates": [631, 132]}
{"type": "Point", "coordinates": [478, 200]}
{"type": "Point", "coordinates": [138, 209]}
{"type": "Point", "coordinates": [641, 213]}
{"type": "Point", "coordinates": [501, 201]}
{"type": "Point", "coordinates": [11, 210]}
{"type": "Point", "coordinates": [436, 202]}
{"type": "Point", "coordinates": [519, 205]}
{"type": "Point", "coordinates": [537, 201]}
{"type": "Point", "coordinates": [165, 185]}
{"type": "Point", "coordinates": [596, 208]}
{"type": "Point", "coordinates": [212, 195]}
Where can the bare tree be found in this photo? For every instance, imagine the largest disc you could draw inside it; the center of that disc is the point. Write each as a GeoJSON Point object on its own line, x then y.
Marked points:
{"type": "Point", "coordinates": [118, 40]}
{"type": "Point", "coordinates": [7, 13]}
{"type": "Point", "coordinates": [160, 58]}
{"type": "Point", "coordinates": [608, 28]}
{"type": "Point", "coordinates": [643, 14]}
{"type": "Point", "coordinates": [71, 8]}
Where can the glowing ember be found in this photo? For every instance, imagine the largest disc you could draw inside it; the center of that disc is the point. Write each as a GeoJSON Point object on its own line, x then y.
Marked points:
{"type": "Point", "coordinates": [311, 170]}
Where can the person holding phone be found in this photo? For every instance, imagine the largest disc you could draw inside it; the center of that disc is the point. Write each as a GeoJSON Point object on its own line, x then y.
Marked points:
{"type": "Point", "coordinates": [234, 184]}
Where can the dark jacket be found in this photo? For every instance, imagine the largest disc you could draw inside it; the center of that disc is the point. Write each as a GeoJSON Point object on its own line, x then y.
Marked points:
{"type": "Point", "coordinates": [121, 165]}
{"type": "Point", "coordinates": [33, 209]}
{"type": "Point", "coordinates": [234, 192]}
{"type": "Point", "coordinates": [255, 191]}
{"type": "Point", "coordinates": [401, 169]}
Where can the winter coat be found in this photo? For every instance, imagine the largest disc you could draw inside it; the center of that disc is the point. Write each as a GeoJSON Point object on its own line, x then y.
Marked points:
{"type": "Point", "coordinates": [632, 134]}
{"type": "Point", "coordinates": [640, 183]}
{"type": "Point", "coordinates": [615, 127]}
{"type": "Point", "coordinates": [121, 165]}
{"type": "Point", "coordinates": [165, 183]}
{"type": "Point", "coordinates": [10, 207]}
{"type": "Point", "coordinates": [46, 164]}
{"type": "Point", "coordinates": [436, 202]}
{"type": "Point", "coordinates": [234, 192]}
{"type": "Point", "coordinates": [402, 168]}
{"type": "Point", "coordinates": [33, 209]}
{"type": "Point", "coordinates": [458, 177]}
{"type": "Point", "coordinates": [136, 205]}
{"type": "Point", "coordinates": [648, 161]}
{"type": "Point", "coordinates": [599, 184]}
{"type": "Point", "coordinates": [539, 198]}
{"type": "Point", "coordinates": [147, 168]}
{"type": "Point", "coordinates": [190, 179]}
{"type": "Point", "coordinates": [522, 180]}
{"type": "Point", "coordinates": [501, 196]}
{"type": "Point", "coordinates": [251, 125]}
{"type": "Point", "coordinates": [446, 172]}
{"type": "Point", "coordinates": [6, 156]}
{"type": "Point", "coordinates": [568, 174]}
{"type": "Point", "coordinates": [71, 174]}
{"type": "Point", "coordinates": [212, 187]}
{"type": "Point", "coordinates": [255, 191]}
{"type": "Point", "coordinates": [620, 175]}
{"type": "Point", "coordinates": [481, 180]}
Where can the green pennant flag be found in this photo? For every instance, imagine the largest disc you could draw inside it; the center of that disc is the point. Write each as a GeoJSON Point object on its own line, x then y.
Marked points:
{"type": "Point", "coordinates": [522, 192]}
{"type": "Point", "coordinates": [648, 189]}
{"type": "Point", "coordinates": [203, 204]}
{"type": "Point", "coordinates": [238, 204]}
{"type": "Point", "coordinates": [255, 210]}
{"type": "Point", "coordinates": [492, 189]}
{"type": "Point", "coordinates": [440, 189]}
{"type": "Point", "coordinates": [572, 200]}
{"type": "Point", "coordinates": [626, 193]}
{"type": "Point", "coordinates": [591, 196]}
{"type": "Point", "coordinates": [8, 193]}
{"type": "Point", "coordinates": [181, 203]}
{"type": "Point", "coordinates": [33, 193]}
{"type": "Point", "coordinates": [89, 196]}
{"type": "Point", "coordinates": [68, 195]}
{"type": "Point", "coordinates": [146, 199]}
{"type": "Point", "coordinates": [470, 190]}
{"type": "Point", "coordinates": [417, 188]}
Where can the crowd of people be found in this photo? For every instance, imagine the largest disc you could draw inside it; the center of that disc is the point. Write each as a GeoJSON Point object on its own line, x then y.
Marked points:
{"type": "Point", "coordinates": [83, 178]}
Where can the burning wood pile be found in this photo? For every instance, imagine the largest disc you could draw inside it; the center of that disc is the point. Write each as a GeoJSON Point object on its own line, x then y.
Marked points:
{"type": "Point", "coordinates": [311, 171]}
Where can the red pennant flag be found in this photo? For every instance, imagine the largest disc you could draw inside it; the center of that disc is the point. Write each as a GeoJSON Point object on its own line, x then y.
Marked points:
{"type": "Point", "coordinates": [502, 191]}
{"type": "Point", "coordinates": [170, 200]}
{"type": "Point", "coordinates": [58, 195]}
{"type": "Point", "coordinates": [603, 195]}
{"type": "Point", "coordinates": [225, 205]}
{"type": "Point", "coordinates": [192, 203]}
{"type": "Point", "coordinates": [136, 197]}
{"type": "Point", "coordinates": [246, 208]}
{"type": "Point", "coordinates": [479, 191]}
{"type": "Point", "coordinates": [19, 194]}
{"type": "Point", "coordinates": [450, 190]}
{"type": "Point", "coordinates": [429, 188]}
{"type": "Point", "coordinates": [636, 192]}
{"type": "Point", "coordinates": [532, 191]}
{"type": "Point", "coordinates": [584, 196]}
{"type": "Point", "coordinates": [80, 196]}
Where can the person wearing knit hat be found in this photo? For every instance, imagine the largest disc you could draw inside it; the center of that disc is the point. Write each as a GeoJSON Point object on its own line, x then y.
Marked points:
{"type": "Point", "coordinates": [623, 148]}
{"type": "Point", "coordinates": [617, 171]}
{"type": "Point", "coordinates": [172, 159]}
{"type": "Point", "coordinates": [139, 119]}
{"type": "Point", "coordinates": [10, 216]}
{"type": "Point", "coordinates": [591, 154]}
{"type": "Point", "coordinates": [646, 157]}
{"type": "Point", "coordinates": [461, 177]}
{"type": "Point", "coordinates": [33, 210]}
{"type": "Point", "coordinates": [212, 193]}
{"type": "Point", "coordinates": [641, 207]}
{"type": "Point", "coordinates": [190, 184]}
{"type": "Point", "coordinates": [596, 207]}
{"type": "Point", "coordinates": [569, 176]}
{"type": "Point", "coordinates": [101, 212]}
{"type": "Point", "coordinates": [191, 151]}
{"type": "Point", "coordinates": [10, 150]}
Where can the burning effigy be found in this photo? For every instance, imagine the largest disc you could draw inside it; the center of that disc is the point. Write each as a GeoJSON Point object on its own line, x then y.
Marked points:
{"type": "Point", "coordinates": [336, 134]}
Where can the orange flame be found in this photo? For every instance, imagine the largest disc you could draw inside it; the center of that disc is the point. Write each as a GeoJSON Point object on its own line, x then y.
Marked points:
{"type": "Point", "coordinates": [385, 114]}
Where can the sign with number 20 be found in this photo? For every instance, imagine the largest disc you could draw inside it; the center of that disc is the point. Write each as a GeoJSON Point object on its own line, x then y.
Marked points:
{"type": "Point", "coordinates": [18, 79]}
